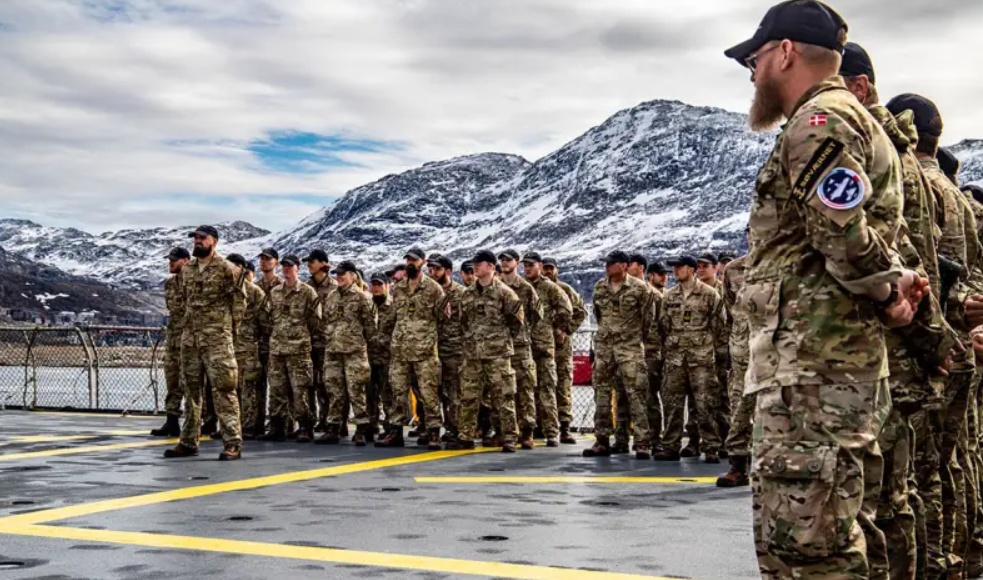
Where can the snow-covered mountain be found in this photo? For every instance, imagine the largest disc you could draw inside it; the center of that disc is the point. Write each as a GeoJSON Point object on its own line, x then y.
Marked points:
{"type": "Point", "coordinates": [124, 258]}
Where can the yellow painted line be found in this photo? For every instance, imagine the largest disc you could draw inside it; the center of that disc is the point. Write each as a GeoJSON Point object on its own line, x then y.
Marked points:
{"type": "Point", "coordinates": [508, 479]}
{"type": "Point", "coordinates": [330, 555]}
{"type": "Point", "coordinates": [57, 438]}
{"type": "Point", "coordinates": [96, 415]}
{"type": "Point", "coordinates": [88, 449]}
{"type": "Point", "coordinates": [46, 516]}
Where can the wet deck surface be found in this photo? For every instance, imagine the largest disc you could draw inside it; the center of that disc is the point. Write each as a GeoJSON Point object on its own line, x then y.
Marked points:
{"type": "Point", "coordinates": [110, 506]}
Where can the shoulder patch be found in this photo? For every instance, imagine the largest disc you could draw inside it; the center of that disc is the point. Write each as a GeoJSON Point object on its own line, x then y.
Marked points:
{"type": "Point", "coordinates": [842, 189]}
{"type": "Point", "coordinates": [820, 162]}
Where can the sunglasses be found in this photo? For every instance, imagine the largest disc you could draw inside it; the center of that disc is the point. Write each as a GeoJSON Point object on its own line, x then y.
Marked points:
{"type": "Point", "coordinates": [752, 61]}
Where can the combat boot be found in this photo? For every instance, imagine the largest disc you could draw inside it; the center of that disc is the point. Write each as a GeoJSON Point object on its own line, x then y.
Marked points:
{"type": "Point", "coordinates": [416, 430]}
{"type": "Point", "coordinates": [552, 443]}
{"type": "Point", "coordinates": [209, 428]}
{"type": "Point", "coordinates": [170, 428]}
{"type": "Point", "coordinates": [392, 438]}
{"type": "Point", "coordinates": [737, 476]}
{"type": "Point", "coordinates": [305, 433]}
{"type": "Point", "coordinates": [601, 448]}
{"type": "Point", "coordinates": [526, 441]}
{"type": "Point", "coordinates": [460, 445]}
{"type": "Point", "coordinates": [691, 450]}
{"type": "Point", "coordinates": [359, 438]}
{"type": "Point", "coordinates": [711, 457]}
{"type": "Point", "coordinates": [424, 439]}
{"type": "Point", "coordinates": [332, 436]}
{"type": "Point", "coordinates": [666, 455]}
{"type": "Point", "coordinates": [620, 446]}
{"type": "Point", "coordinates": [565, 436]}
{"type": "Point", "coordinates": [643, 452]}
{"type": "Point", "coordinates": [181, 450]}
{"type": "Point", "coordinates": [493, 440]}
{"type": "Point", "coordinates": [321, 427]}
{"type": "Point", "coordinates": [537, 433]}
{"type": "Point", "coordinates": [434, 443]}
{"type": "Point", "coordinates": [508, 447]}
{"type": "Point", "coordinates": [343, 431]}
{"type": "Point", "coordinates": [231, 453]}
{"type": "Point", "coordinates": [276, 432]}
{"type": "Point", "coordinates": [369, 433]}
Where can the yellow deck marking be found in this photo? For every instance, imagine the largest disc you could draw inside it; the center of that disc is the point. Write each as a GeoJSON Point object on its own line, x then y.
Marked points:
{"type": "Point", "coordinates": [88, 449]}
{"type": "Point", "coordinates": [94, 415]}
{"type": "Point", "coordinates": [58, 438]}
{"type": "Point", "coordinates": [599, 479]}
{"type": "Point", "coordinates": [424, 563]}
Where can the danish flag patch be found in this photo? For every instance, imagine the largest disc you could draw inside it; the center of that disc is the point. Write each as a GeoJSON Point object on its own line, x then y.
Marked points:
{"type": "Point", "coordinates": [817, 120]}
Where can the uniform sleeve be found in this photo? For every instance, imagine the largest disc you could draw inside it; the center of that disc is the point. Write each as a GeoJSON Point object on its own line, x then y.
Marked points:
{"type": "Point", "coordinates": [648, 313]}
{"type": "Point", "coordinates": [386, 326]}
{"type": "Point", "coordinates": [512, 309]}
{"type": "Point", "coordinates": [534, 312]}
{"type": "Point", "coordinates": [562, 310]}
{"type": "Point", "coordinates": [597, 311]}
{"type": "Point", "coordinates": [579, 312]}
{"type": "Point", "coordinates": [315, 314]}
{"type": "Point", "coordinates": [238, 297]}
{"type": "Point", "coordinates": [439, 301]}
{"type": "Point", "coordinates": [653, 344]}
{"type": "Point", "coordinates": [718, 327]}
{"type": "Point", "coordinates": [826, 164]}
{"type": "Point", "coordinates": [367, 315]}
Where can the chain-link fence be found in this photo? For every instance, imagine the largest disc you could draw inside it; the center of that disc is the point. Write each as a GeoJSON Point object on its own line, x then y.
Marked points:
{"type": "Point", "coordinates": [118, 368]}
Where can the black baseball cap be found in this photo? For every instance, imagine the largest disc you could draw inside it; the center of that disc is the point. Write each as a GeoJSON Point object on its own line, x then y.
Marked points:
{"type": "Point", "coordinates": [237, 259]}
{"type": "Point", "coordinates": [805, 21]}
{"type": "Point", "coordinates": [441, 261]}
{"type": "Point", "coordinates": [345, 266]}
{"type": "Point", "coordinates": [178, 254]}
{"type": "Point", "coordinates": [725, 257]}
{"type": "Point", "coordinates": [617, 257]}
{"type": "Point", "coordinates": [928, 120]}
{"type": "Point", "coordinates": [317, 256]}
{"type": "Point", "coordinates": [974, 190]}
{"type": "Point", "coordinates": [638, 259]}
{"type": "Point", "coordinates": [509, 254]}
{"type": "Point", "coordinates": [548, 261]}
{"type": "Point", "coordinates": [250, 267]}
{"type": "Point", "coordinates": [684, 260]}
{"type": "Point", "coordinates": [379, 277]}
{"type": "Point", "coordinates": [270, 253]}
{"type": "Point", "coordinates": [948, 162]}
{"type": "Point", "coordinates": [484, 256]}
{"type": "Point", "coordinates": [532, 257]}
{"type": "Point", "coordinates": [856, 62]}
{"type": "Point", "coordinates": [204, 231]}
{"type": "Point", "coordinates": [708, 258]}
{"type": "Point", "coordinates": [467, 266]}
{"type": "Point", "coordinates": [657, 267]}
{"type": "Point", "coordinates": [290, 260]}
{"type": "Point", "coordinates": [415, 253]}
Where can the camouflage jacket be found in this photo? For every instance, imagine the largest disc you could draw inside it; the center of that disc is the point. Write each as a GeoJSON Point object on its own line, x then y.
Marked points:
{"type": "Point", "coordinates": [214, 301]}
{"type": "Point", "coordinates": [450, 331]}
{"type": "Point", "coordinates": [532, 311]}
{"type": "Point", "coordinates": [653, 345]}
{"type": "Point", "coordinates": [296, 315]}
{"type": "Point", "coordinates": [557, 314]}
{"type": "Point", "coordinates": [578, 316]}
{"type": "Point", "coordinates": [692, 326]}
{"type": "Point", "coordinates": [625, 317]}
{"type": "Point", "coordinates": [733, 279]}
{"type": "Point", "coordinates": [324, 288]}
{"type": "Point", "coordinates": [825, 215]}
{"type": "Point", "coordinates": [267, 325]}
{"type": "Point", "coordinates": [416, 316]}
{"type": "Point", "coordinates": [380, 347]}
{"type": "Point", "coordinates": [174, 297]}
{"type": "Point", "coordinates": [491, 316]}
{"type": "Point", "coordinates": [349, 321]}
{"type": "Point", "coordinates": [247, 340]}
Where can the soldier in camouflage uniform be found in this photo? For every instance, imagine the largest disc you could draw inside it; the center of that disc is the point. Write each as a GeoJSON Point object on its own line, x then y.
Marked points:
{"type": "Point", "coordinates": [691, 327]}
{"type": "Point", "coordinates": [564, 352]}
{"type": "Point", "coordinates": [553, 326]}
{"type": "Point", "coordinates": [319, 268]}
{"type": "Point", "coordinates": [467, 273]}
{"type": "Point", "coordinates": [708, 271]}
{"type": "Point", "coordinates": [492, 316]}
{"type": "Point", "coordinates": [657, 275]}
{"type": "Point", "coordinates": [523, 363]}
{"type": "Point", "coordinates": [349, 328]}
{"type": "Point", "coordinates": [269, 260]}
{"type": "Point", "coordinates": [296, 314]}
{"type": "Point", "coordinates": [450, 344]}
{"type": "Point", "coordinates": [247, 350]}
{"type": "Point", "coordinates": [825, 216]}
{"type": "Point", "coordinates": [418, 304]}
{"type": "Point", "coordinates": [379, 396]}
{"type": "Point", "coordinates": [177, 260]}
{"type": "Point", "coordinates": [623, 306]}
{"type": "Point", "coordinates": [214, 305]}
{"type": "Point", "coordinates": [738, 441]}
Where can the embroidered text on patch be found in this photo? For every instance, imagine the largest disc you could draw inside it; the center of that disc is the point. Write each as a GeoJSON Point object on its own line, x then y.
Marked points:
{"type": "Point", "coordinates": [824, 157]}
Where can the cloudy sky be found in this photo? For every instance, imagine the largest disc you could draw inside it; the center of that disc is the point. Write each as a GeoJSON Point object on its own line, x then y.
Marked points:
{"type": "Point", "coordinates": [136, 113]}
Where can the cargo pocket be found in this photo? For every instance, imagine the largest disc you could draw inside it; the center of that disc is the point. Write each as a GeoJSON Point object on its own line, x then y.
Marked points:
{"type": "Point", "coordinates": [798, 508]}
{"type": "Point", "coordinates": [762, 303]}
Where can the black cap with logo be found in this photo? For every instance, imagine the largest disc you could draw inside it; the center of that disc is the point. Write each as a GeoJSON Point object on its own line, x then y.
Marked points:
{"type": "Point", "coordinates": [441, 261]}
{"type": "Point", "coordinates": [484, 256]}
{"type": "Point", "coordinates": [638, 259]}
{"type": "Point", "coordinates": [345, 266]}
{"type": "Point", "coordinates": [317, 256]}
{"type": "Point", "coordinates": [204, 231]}
{"type": "Point", "coordinates": [806, 21]}
{"type": "Point", "coordinates": [657, 267]}
{"type": "Point", "coordinates": [856, 62]}
{"type": "Point", "coordinates": [467, 266]}
{"type": "Point", "coordinates": [684, 260]}
{"type": "Point", "coordinates": [948, 162]}
{"type": "Point", "coordinates": [708, 258]}
{"type": "Point", "coordinates": [509, 255]}
{"type": "Point", "coordinates": [617, 257]}
{"type": "Point", "coordinates": [237, 259]}
{"type": "Point", "coordinates": [290, 260]}
{"type": "Point", "coordinates": [549, 261]}
{"type": "Point", "coordinates": [532, 257]}
{"type": "Point", "coordinates": [178, 254]}
{"type": "Point", "coordinates": [270, 253]}
{"type": "Point", "coordinates": [928, 120]}
{"type": "Point", "coordinates": [379, 278]}
{"type": "Point", "coordinates": [415, 253]}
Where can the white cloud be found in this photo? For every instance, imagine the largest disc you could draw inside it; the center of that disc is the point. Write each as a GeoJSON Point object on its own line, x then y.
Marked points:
{"type": "Point", "coordinates": [111, 105]}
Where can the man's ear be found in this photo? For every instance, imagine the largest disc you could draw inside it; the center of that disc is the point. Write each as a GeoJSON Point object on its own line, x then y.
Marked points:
{"type": "Point", "coordinates": [788, 54]}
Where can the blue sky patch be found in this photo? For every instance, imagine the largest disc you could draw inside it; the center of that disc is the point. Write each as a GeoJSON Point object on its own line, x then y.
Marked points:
{"type": "Point", "coordinates": [304, 152]}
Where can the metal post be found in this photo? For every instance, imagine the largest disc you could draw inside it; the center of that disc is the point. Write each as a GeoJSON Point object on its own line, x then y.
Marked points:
{"type": "Point", "coordinates": [88, 366]}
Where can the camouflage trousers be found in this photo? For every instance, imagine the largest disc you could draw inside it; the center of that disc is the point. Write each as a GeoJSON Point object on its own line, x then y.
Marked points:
{"type": "Point", "coordinates": [427, 375]}
{"type": "Point", "coordinates": [214, 358]}
{"type": "Point", "coordinates": [172, 376]}
{"type": "Point", "coordinates": [653, 366]}
{"type": "Point", "coordinates": [317, 394]}
{"type": "Point", "coordinates": [290, 379]}
{"type": "Point", "coordinates": [379, 397]}
{"type": "Point", "coordinates": [546, 411]}
{"type": "Point", "coordinates": [738, 441]}
{"type": "Point", "coordinates": [677, 380]}
{"type": "Point", "coordinates": [810, 443]}
{"type": "Point", "coordinates": [927, 487]}
{"type": "Point", "coordinates": [493, 378]}
{"type": "Point", "coordinates": [250, 370]}
{"type": "Point", "coordinates": [346, 377]}
{"type": "Point", "coordinates": [524, 368]}
{"type": "Point", "coordinates": [564, 381]}
{"type": "Point", "coordinates": [692, 418]}
{"type": "Point", "coordinates": [955, 535]}
{"type": "Point", "coordinates": [264, 382]}
{"type": "Point", "coordinates": [895, 517]}
{"type": "Point", "coordinates": [627, 371]}
{"type": "Point", "coordinates": [450, 390]}
{"type": "Point", "coordinates": [974, 556]}
{"type": "Point", "coordinates": [720, 408]}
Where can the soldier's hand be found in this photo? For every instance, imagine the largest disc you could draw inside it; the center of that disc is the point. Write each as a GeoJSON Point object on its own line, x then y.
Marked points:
{"type": "Point", "coordinates": [560, 335]}
{"type": "Point", "coordinates": [447, 309]}
{"type": "Point", "coordinates": [913, 288]}
{"type": "Point", "coordinates": [898, 314]}
{"type": "Point", "coordinates": [977, 335]}
{"type": "Point", "coordinates": [974, 310]}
